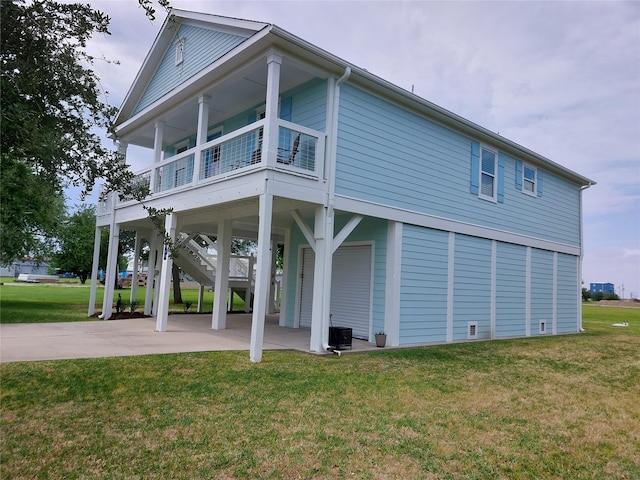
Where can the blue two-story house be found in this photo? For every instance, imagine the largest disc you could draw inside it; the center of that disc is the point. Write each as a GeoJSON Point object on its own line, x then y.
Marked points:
{"type": "Point", "coordinates": [395, 214]}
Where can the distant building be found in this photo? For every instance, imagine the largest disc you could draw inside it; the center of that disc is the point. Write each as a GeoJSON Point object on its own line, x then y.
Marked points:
{"type": "Point", "coordinates": [602, 287]}
{"type": "Point", "coordinates": [25, 265]}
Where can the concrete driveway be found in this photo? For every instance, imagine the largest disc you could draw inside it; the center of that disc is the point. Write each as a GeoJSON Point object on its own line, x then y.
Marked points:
{"type": "Point", "coordinates": [115, 338]}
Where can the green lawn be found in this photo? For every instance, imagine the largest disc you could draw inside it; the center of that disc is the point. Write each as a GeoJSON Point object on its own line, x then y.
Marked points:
{"type": "Point", "coordinates": [69, 301]}
{"type": "Point", "coordinates": [558, 407]}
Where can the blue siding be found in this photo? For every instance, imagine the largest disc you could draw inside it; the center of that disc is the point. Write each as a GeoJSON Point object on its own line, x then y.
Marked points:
{"type": "Point", "coordinates": [391, 156]}
{"type": "Point", "coordinates": [510, 290]}
{"type": "Point", "coordinates": [202, 48]}
{"type": "Point", "coordinates": [309, 104]}
{"type": "Point", "coordinates": [472, 286]}
{"type": "Point", "coordinates": [541, 289]}
{"type": "Point", "coordinates": [423, 285]}
{"type": "Point", "coordinates": [568, 291]}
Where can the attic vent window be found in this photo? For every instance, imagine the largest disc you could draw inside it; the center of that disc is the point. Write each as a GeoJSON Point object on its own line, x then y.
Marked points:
{"type": "Point", "coordinates": [472, 333]}
{"type": "Point", "coordinates": [179, 51]}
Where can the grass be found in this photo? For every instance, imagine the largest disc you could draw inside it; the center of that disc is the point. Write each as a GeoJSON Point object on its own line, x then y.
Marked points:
{"type": "Point", "coordinates": [537, 408]}
{"type": "Point", "coordinates": [68, 302]}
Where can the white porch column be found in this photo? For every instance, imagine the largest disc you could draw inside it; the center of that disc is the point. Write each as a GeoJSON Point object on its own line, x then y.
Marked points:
{"type": "Point", "coordinates": [285, 274]}
{"type": "Point", "coordinates": [392, 293]}
{"type": "Point", "coordinates": [270, 137]}
{"type": "Point", "coordinates": [164, 288]}
{"type": "Point", "coordinates": [323, 236]}
{"type": "Point", "coordinates": [272, 301]}
{"type": "Point", "coordinates": [200, 298]}
{"type": "Point", "coordinates": [134, 274]}
{"type": "Point", "coordinates": [111, 270]}
{"type": "Point", "coordinates": [219, 320]}
{"type": "Point", "coordinates": [262, 277]}
{"type": "Point", "coordinates": [151, 272]}
{"type": "Point", "coordinates": [249, 291]}
{"type": "Point", "coordinates": [201, 132]}
{"type": "Point", "coordinates": [157, 153]}
{"type": "Point", "coordinates": [94, 271]}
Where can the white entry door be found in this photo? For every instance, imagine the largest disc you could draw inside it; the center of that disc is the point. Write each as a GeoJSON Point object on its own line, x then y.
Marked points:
{"type": "Point", "coordinates": [350, 289]}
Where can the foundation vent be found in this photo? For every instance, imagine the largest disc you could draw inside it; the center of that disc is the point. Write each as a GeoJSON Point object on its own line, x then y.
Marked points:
{"type": "Point", "coordinates": [543, 327]}
{"type": "Point", "coordinates": [472, 330]}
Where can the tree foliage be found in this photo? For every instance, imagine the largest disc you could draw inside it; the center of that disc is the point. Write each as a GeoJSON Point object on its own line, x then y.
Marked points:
{"type": "Point", "coordinates": [52, 114]}
{"type": "Point", "coordinates": [76, 237]}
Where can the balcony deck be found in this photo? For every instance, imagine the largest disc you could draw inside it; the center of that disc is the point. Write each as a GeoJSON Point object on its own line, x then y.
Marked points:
{"type": "Point", "coordinates": [300, 153]}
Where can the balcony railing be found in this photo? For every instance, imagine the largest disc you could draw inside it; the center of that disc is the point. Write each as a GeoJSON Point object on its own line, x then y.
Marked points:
{"type": "Point", "coordinates": [300, 151]}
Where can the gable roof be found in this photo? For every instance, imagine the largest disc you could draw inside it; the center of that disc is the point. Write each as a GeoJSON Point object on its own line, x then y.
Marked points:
{"type": "Point", "coordinates": [141, 92]}
{"type": "Point", "coordinates": [255, 33]}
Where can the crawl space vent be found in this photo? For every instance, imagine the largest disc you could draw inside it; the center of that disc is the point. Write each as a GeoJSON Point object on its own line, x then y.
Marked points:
{"type": "Point", "coordinates": [543, 327]}
{"type": "Point", "coordinates": [472, 332]}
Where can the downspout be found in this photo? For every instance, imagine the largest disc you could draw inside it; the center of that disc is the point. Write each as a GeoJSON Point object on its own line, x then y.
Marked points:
{"type": "Point", "coordinates": [582, 189]}
{"type": "Point", "coordinates": [331, 178]}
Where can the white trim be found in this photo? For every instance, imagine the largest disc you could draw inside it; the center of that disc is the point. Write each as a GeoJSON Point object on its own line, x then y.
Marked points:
{"type": "Point", "coordinates": [438, 223]}
{"type": "Point", "coordinates": [450, 285]}
{"type": "Point", "coordinates": [494, 289]}
{"type": "Point", "coordinates": [342, 235]}
{"type": "Point", "coordinates": [527, 302]}
{"type": "Point", "coordinates": [393, 279]}
{"type": "Point", "coordinates": [299, 281]}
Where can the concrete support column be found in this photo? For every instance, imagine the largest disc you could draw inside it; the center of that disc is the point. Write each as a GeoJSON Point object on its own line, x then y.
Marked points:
{"type": "Point", "coordinates": [111, 271]}
{"type": "Point", "coordinates": [170, 224]}
{"type": "Point", "coordinates": [262, 277]}
{"type": "Point", "coordinates": [219, 318]}
{"type": "Point", "coordinates": [270, 137]}
{"type": "Point", "coordinates": [94, 271]}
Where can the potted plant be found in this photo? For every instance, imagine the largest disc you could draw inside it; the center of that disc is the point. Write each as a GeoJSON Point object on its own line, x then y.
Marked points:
{"type": "Point", "coordinates": [381, 339]}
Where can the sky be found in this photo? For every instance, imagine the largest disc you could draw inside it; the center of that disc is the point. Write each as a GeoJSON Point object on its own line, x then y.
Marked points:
{"type": "Point", "coordinates": [560, 78]}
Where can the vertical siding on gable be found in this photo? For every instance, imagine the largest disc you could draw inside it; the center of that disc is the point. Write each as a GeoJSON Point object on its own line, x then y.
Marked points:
{"type": "Point", "coordinates": [423, 285]}
{"type": "Point", "coordinates": [568, 291]}
{"type": "Point", "coordinates": [510, 290]}
{"type": "Point", "coordinates": [472, 287]}
{"type": "Point", "coordinates": [202, 48]}
{"type": "Point", "coordinates": [541, 290]}
{"type": "Point", "coordinates": [394, 157]}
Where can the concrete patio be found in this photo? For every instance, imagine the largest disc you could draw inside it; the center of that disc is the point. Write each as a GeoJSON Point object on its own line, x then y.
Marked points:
{"type": "Point", "coordinates": [115, 338]}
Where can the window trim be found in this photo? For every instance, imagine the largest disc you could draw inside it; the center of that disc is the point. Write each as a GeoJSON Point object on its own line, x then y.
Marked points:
{"type": "Point", "coordinates": [493, 198]}
{"type": "Point", "coordinates": [524, 180]}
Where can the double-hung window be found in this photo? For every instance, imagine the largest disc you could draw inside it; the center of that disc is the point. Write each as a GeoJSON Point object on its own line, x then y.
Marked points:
{"type": "Point", "coordinates": [488, 174]}
{"type": "Point", "coordinates": [529, 180]}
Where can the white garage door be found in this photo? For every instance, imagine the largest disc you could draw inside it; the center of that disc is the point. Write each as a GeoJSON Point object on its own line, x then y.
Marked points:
{"type": "Point", "coordinates": [350, 288]}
